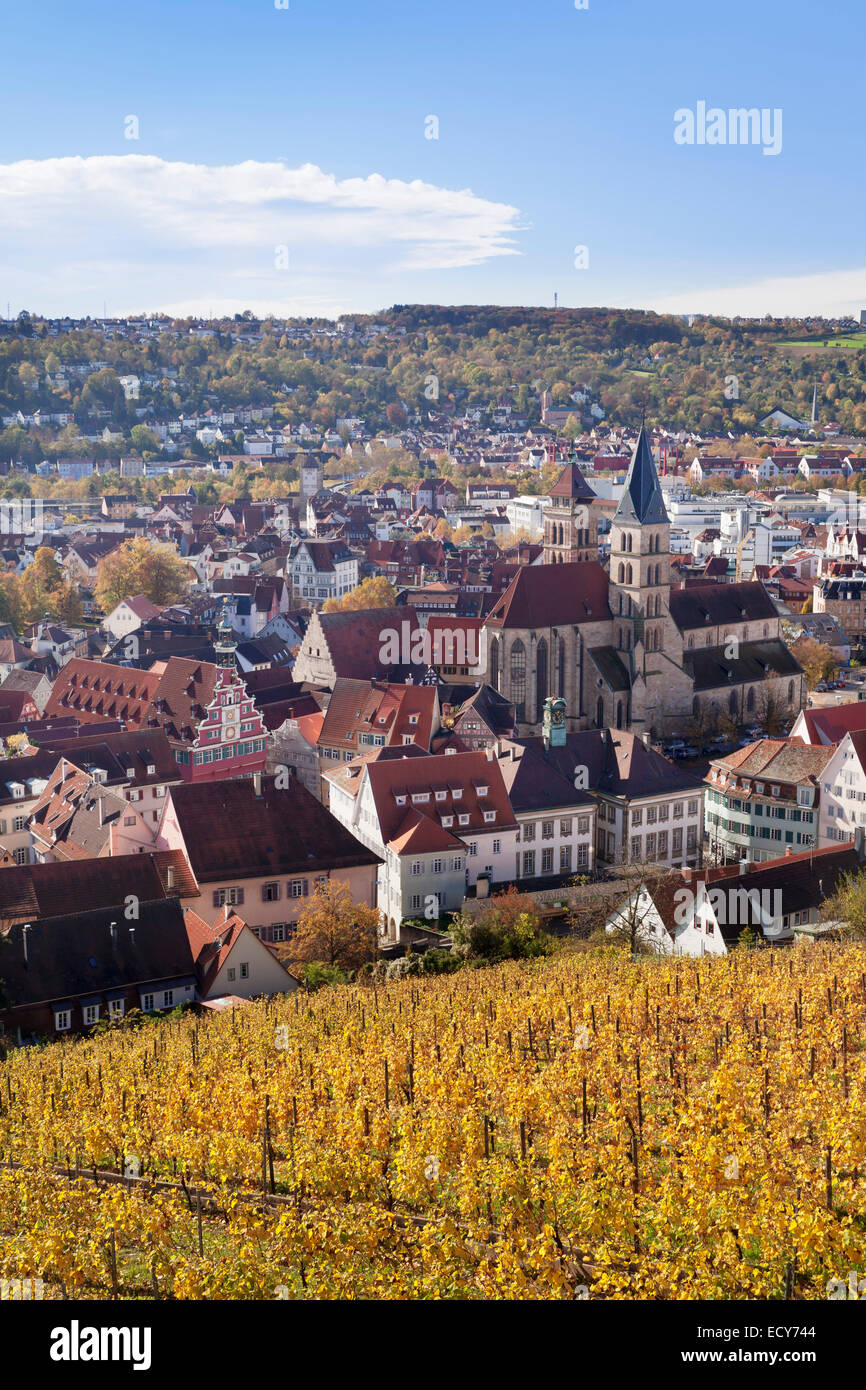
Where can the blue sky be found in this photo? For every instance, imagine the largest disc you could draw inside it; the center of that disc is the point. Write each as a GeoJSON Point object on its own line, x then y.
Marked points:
{"type": "Point", "coordinates": [281, 162]}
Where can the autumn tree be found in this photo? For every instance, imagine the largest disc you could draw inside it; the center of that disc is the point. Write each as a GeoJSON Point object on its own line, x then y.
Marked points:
{"type": "Point", "coordinates": [817, 660]}
{"type": "Point", "coordinates": [848, 905]}
{"type": "Point", "coordinates": [376, 592]}
{"type": "Point", "coordinates": [333, 930]}
{"type": "Point", "coordinates": [140, 567]}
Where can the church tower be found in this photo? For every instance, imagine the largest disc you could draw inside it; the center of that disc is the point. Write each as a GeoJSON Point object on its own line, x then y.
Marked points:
{"type": "Point", "coordinates": [570, 524]}
{"type": "Point", "coordinates": [640, 561]}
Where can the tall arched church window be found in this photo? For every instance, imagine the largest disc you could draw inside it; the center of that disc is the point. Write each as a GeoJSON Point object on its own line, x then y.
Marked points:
{"type": "Point", "coordinates": [540, 677]}
{"type": "Point", "coordinates": [518, 679]}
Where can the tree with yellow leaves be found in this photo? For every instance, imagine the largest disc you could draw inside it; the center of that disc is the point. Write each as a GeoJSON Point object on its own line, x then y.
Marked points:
{"type": "Point", "coordinates": [140, 567]}
{"type": "Point", "coordinates": [376, 592]}
{"type": "Point", "coordinates": [334, 930]}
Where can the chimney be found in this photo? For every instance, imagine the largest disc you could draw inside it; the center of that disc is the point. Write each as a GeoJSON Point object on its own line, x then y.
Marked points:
{"type": "Point", "coordinates": [227, 912]}
{"type": "Point", "coordinates": [688, 874]}
{"type": "Point", "coordinates": [788, 850]}
{"type": "Point", "coordinates": [257, 784]}
{"type": "Point", "coordinates": [113, 931]}
{"type": "Point", "coordinates": [25, 934]}
{"type": "Point", "coordinates": [101, 803]}
{"type": "Point", "coordinates": [647, 741]}
{"type": "Point", "coordinates": [169, 876]}
{"type": "Point", "coordinates": [744, 867]}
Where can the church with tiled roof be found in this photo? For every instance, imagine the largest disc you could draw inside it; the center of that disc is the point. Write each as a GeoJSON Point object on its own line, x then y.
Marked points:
{"type": "Point", "coordinates": [622, 646]}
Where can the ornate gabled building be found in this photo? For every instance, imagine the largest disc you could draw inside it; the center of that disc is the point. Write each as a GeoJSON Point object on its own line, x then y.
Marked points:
{"type": "Point", "coordinates": [622, 647]}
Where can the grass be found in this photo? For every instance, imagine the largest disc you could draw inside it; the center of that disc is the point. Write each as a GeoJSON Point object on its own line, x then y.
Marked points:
{"type": "Point", "coordinates": [853, 341]}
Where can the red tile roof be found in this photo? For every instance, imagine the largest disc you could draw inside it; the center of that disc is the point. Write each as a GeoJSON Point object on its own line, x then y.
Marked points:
{"type": "Point", "coordinates": [363, 708]}
{"type": "Point", "coordinates": [231, 833]}
{"type": "Point", "coordinates": [459, 778]}
{"type": "Point", "coordinates": [541, 596]}
{"type": "Point", "coordinates": [172, 695]}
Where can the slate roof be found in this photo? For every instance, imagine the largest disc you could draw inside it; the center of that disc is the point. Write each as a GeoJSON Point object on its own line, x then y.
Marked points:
{"type": "Point", "coordinates": [72, 955]}
{"type": "Point", "coordinates": [712, 605]}
{"type": "Point", "coordinates": [618, 764]}
{"type": "Point", "coordinates": [611, 668]}
{"type": "Point", "coordinates": [642, 499]}
{"type": "Point", "coordinates": [709, 668]}
{"type": "Point", "coordinates": [534, 782]}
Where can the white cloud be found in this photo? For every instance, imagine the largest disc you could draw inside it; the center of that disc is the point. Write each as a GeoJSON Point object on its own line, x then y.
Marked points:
{"type": "Point", "coordinates": [832, 293]}
{"type": "Point", "coordinates": [144, 232]}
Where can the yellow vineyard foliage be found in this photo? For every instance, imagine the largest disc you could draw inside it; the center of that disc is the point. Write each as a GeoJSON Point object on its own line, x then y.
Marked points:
{"type": "Point", "coordinates": [578, 1127]}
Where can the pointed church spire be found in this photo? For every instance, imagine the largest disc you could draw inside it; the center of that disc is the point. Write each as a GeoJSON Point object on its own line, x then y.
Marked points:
{"type": "Point", "coordinates": [642, 499]}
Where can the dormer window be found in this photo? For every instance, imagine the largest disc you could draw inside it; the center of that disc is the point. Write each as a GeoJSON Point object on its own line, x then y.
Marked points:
{"type": "Point", "coordinates": [759, 788]}
{"type": "Point", "coordinates": [482, 790]}
{"type": "Point", "coordinates": [489, 816]}
{"type": "Point", "coordinates": [413, 719]}
{"type": "Point", "coordinates": [463, 819]}
{"type": "Point", "coordinates": [419, 798]}
{"type": "Point", "coordinates": [440, 796]}
{"type": "Point", "coordinates": [400, 798]}
{"type": "Point", "coordinates": [456, 793]}
{"type": "Point", "coordinates": [447, 821]}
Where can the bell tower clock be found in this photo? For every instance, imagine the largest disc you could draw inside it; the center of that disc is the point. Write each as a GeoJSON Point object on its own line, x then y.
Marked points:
{"type": "Point", "coordinates": [553, 724]}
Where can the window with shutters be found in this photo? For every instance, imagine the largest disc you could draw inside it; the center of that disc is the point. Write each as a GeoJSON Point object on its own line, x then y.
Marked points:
{"type": "Point", "coordinates": [228, 897]}
{"type": "Point", "coordinates": [270, 892]}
